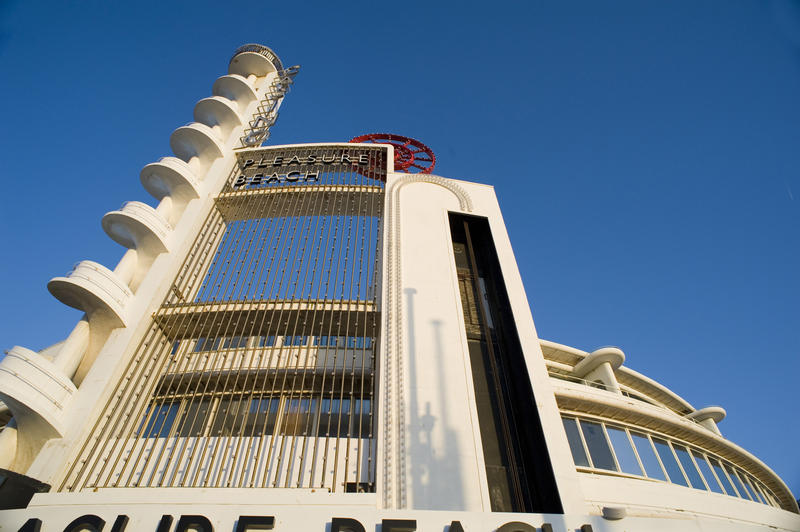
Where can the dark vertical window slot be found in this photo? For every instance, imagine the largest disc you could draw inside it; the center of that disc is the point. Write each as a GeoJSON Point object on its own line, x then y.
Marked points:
{"type": "Point", "coordinates": [518, 467]}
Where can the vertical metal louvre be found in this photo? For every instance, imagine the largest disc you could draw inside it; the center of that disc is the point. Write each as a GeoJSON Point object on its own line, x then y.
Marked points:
{"type": "Point", "coordinates": [258, 369]}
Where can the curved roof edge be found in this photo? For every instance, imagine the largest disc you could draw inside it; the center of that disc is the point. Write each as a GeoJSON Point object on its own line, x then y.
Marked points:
{"type": "Point", "coordinates": [624, 371]}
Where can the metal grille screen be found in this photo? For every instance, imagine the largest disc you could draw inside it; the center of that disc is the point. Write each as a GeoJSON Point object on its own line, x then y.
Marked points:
{"type": "Point", "coordinates": [259, 367]}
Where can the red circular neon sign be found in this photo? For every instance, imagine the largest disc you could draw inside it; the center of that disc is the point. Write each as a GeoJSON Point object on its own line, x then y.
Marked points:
{"type": "Point", "coordinates": [409, 154]}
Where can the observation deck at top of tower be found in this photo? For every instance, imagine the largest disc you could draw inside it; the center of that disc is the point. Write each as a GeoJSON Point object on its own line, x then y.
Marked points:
{"type": "Point", "coordinates": [254, 58]}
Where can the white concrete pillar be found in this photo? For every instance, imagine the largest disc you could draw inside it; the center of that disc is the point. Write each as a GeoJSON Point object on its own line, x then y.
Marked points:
{"type": "Point", "coordinates": [708, 417]}
{"type": "Point", "coordinates": [164, 208]}
{"type": "Point", "coordinates": [71, 353]}
{"type": "Point", "coordinates": [197, 167]}
{"type": "Point", "coordinates": [126, 267]}
{"type": "Point", "coordinates": [600, 365]}
{"type": "Point", "coordinates": [605, 374]}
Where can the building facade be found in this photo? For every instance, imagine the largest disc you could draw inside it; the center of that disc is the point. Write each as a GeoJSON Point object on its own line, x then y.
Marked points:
{"type": "Point", "coordinates": [330, 337]}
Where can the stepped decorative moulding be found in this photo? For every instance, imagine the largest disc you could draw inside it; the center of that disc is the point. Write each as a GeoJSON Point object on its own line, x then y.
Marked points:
{"type": "Point", "coordinates": [235, 88]}
{"type": "Point", "coordinates": [94, 289]}
{"type": "Point", "coordinates": [32, 385]}
{"type": "Point", "coordinates": [218, 112]}
{"type": "Point", "coordinates": [170, 177]}
{"type": "Point", "coordinates": [196, 140]}
{"type": "Point", "coordinates": [138, 226]}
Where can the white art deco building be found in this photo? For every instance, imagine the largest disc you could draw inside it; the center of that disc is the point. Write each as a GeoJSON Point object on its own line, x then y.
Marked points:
{"type": "Point", "coordinates": [328, 337]}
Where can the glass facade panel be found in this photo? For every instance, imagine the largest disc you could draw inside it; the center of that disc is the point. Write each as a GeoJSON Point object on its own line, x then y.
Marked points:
{"type": "Point", "coordinates": [689, 468]}
{"type": "Point", "coordinates": [299, 416]}
{"type": "Point", "coordinates": [160, 421]}
{"type": "Point", "coordinates": [750, 491]}
{"type": "Point", "coordinates": [234, 342]}
{"type": "Point", "coordinates": [648, 456]}
{"type": "Point", "coordinates": [206, 344]}
{"type": "Point", "coordinates": [295, 340]}
{"type": "Point", "coordinates": [344, 418]}
{"type": "Point", "coordinates": [670, 463]}
{"type": "Point", "coordinates": [229, 416]}
{"type": "Point", "coordinates": [597, 443]}
{"type": "Point", "coordinates": [266, 341]}
{"type": "Point", "coordinates": [768, 494]}
{"type": "Point", "coordinates": [245, 416]}
{"type": "Point", "coordinates": [738, 483]}
{"type": "Point", "coordinates": [706, 471]}
{"type": "Point", "coordinates": [334, 418]}
{"type": "Point", "coordinates": [659, 458]}
{"type": "Point", "coordinates": [575, 443]}
{"type": "Point", "coordinates": [195, 418]}
{"type": "Point", "coordinates": [362, 420]}
{"type": "Point", "coordinates": [262, 416]}
{"type": "Point", "coordinates": [757, 490]}
{"type": "Point", "coordinates": [626, 457]}
{"type": "Point", "coordinates": [723, 478]}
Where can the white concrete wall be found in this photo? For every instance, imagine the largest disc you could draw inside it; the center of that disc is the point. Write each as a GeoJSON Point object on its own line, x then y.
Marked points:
{"type": "Point", "coordinates": [313, 511]}
{"type": "Point", "coordinates": [443, 467]}
{"type": "Point", "coordinates": [444, 458]}
{"type": "Point", "coordinates": [647, 499]}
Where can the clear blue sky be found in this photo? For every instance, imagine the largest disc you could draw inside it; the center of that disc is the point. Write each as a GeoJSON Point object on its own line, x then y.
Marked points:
{"type": "Point", "coordinates": [645, 155]}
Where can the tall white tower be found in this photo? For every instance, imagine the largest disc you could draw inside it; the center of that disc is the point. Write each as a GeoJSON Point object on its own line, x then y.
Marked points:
{"type": "Point", "coordinates": [46, 392]}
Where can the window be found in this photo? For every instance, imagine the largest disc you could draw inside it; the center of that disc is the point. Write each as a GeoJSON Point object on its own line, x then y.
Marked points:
{"type": "Point", "coordinates": [768, 495]}
{"type": "Point", "coordinates": [234, 342]}
{"type": "Point", "coordinates": [253, 416]}
{"type": "Point", "coordinates": [195, 417]}
{"type": "Point", "coordinates": [245, 416]}
{"type": "Point", "coordinates": [743, 481]}
{"type": "Point", "coordinates": [298, 416]}
{"type": "Point", "coordinates": [266, 341]}
{"type": "Point", "coordinates": [705, 469]}
{"type": "Point", "coordinates": [651, 463]}
{"type": "Point", "coordinates": [723, 478]}
{"type": "Point", "coordinates": [736, 482]}
{"type": "Point", "coordinates": [159, 418]}
{"type": "Point", "coordinates": [670, 464]}
{"type": "Point", "coordinates": [333, 414]}
{"type": "Point", "coordinates": [626, 456]}
{"type": "Point", "coordinates": [619, 449]}
{"type": "Point", "coordinates": [575, 442]}
{"type": "Point", "coordinates": [361, 420]}
{"type": "Point", "coordinates": [689, 468]}
{"type": "Point", "coordinates": [752, 487]}
{"type": "Point", "coordinates": [295, 340]}
{"type": "Point", "coordinates": [597, 443]}
{"type": "Point", "coordinates": [206, 344]}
